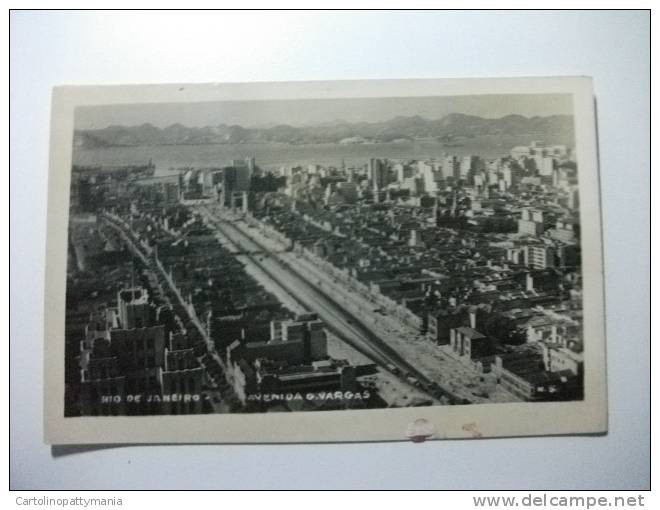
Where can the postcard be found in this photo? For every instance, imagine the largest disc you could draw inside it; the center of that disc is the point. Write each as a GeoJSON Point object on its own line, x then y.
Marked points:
{"type": "Point", "coordinates": [324, 261]}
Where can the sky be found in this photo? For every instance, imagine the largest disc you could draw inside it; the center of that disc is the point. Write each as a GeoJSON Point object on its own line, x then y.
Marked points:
{"type": "Point", "coordinates": [302, 112]}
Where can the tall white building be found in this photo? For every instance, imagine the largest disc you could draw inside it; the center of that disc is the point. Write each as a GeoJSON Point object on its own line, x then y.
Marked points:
{"type": "Point", "coordinates": [429, 176]}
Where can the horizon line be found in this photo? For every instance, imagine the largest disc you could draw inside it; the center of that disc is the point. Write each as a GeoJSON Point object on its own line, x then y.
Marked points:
{"type": "Point", "coordinates": [322, 123]}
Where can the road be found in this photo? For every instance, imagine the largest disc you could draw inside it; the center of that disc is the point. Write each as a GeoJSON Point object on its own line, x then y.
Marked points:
{"type": "Point", "coordinates": [339, 319]}
{"type": "Point", "coordinates": [434, 361]}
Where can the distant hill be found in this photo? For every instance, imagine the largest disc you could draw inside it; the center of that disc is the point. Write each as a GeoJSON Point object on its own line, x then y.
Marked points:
{"type": "Point", "coordinates": [449, 128]}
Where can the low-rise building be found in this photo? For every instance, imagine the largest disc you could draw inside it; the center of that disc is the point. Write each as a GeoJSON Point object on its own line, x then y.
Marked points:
{"type": "Point", "coordinates": [469, 343]}
{"type": "Point", "coordinates": [440, 324]}
{"type": "Point", "coordinates": [523, 373]}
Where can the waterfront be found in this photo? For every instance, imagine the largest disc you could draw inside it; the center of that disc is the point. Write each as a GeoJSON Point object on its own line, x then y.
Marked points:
{"type": "Point", "coordinates": [271, 155]}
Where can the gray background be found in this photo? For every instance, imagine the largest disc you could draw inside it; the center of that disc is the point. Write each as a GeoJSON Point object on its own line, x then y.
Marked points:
{"type": "Point", "coordinates": [88, 48]}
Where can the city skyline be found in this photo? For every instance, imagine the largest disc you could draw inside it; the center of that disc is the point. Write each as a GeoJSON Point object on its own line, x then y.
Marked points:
{"type": "Point", "coordinates": [397, 265]}
{"type": "Point", "coordinates": [309, 286]}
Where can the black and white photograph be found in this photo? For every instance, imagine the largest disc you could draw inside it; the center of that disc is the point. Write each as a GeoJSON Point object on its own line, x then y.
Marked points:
{"type": "Point", "coordinates": [324, 254]}
{"type": "Point", "coordinates": [334, 249]}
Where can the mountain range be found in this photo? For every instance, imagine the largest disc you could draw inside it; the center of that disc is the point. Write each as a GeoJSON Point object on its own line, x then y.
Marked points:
{"type": "Point", "coordinates": [450, 128]}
